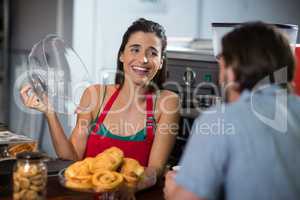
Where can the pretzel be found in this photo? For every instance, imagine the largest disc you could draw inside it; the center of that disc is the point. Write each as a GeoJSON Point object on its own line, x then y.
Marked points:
{"type": "Point", "coordinates": [132, 171]}
{"type": "Point", "coordinates": [106, 181]}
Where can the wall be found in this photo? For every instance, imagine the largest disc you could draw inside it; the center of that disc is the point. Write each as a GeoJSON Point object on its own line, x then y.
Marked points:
{"type": "Point", "coordinates": [99, 25]}
{"type": "Point", "coordinates": [30, 21]}
{"type": "Point", "coordinates": [110, 20]}
{"type": "Point", "coordinates": [272, 11]}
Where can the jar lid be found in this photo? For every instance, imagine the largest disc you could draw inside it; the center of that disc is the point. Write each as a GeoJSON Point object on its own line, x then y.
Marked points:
{"type": "Point", "coordinates": [30, 155]}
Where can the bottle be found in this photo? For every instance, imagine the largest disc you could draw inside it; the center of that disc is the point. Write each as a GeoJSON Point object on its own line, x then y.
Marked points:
{"type": "Point", "coordinates": [29, 176]}
{"type": "Point", "coordinates": [3, 151]}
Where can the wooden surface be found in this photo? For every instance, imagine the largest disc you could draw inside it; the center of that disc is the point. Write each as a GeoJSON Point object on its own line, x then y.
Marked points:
{"type": "Point", "coordinates": [56, 192]}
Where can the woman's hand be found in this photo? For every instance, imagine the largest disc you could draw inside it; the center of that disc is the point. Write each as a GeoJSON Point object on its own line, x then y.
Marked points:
{"type": "Point", "coordinates": [126, 193]}
{"type": "Point", "coordinates": [149, 179]}
{"type": "Point", "coordinates": [33, 101]}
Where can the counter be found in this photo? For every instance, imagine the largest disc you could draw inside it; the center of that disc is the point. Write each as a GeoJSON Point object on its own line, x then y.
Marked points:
{"type": "Point", "coordinates": [57, 192]}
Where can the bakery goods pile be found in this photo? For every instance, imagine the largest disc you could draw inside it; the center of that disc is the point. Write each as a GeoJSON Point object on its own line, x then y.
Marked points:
{"type": "Point", "coordinates": [104, 173]}
{"type": "Point", "coordinates": [14, 149]}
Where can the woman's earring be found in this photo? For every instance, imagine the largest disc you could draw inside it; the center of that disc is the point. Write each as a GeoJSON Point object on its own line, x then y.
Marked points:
{"type": "Point", "coordinates": [121, 58]}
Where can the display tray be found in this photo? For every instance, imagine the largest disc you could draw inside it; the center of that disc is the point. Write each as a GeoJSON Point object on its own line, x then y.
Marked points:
{"type": "Point", "coordinates": [104, 195]}
{"type": "Point", "coordinates": [8, 137]}
{"type": "Point", "coordinates": [63, 182]}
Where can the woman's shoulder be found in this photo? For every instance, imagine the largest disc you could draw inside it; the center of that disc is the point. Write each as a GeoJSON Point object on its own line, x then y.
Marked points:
{"type": "Point", "coordinates": [99, 88]}
{"type": "Point", "coordinates": [167, 100]}
{"type": "Point", "coordinates": [96, 92]}
{"type": "Point", "coordinates": [163, 94]}
{"type": "Point", "coordinates": [102, 86]}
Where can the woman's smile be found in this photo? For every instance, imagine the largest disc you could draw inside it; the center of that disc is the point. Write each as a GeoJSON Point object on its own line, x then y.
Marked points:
{"type": "Point", "coordinates": [141, 71]}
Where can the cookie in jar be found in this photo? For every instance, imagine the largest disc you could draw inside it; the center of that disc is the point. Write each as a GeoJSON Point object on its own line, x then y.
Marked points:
{"type": "Point", "coordinates": [29, 177]}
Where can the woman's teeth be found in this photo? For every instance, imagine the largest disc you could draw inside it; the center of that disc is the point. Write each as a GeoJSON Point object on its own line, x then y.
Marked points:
{"type": "Point", "coordinates": [140, 70]}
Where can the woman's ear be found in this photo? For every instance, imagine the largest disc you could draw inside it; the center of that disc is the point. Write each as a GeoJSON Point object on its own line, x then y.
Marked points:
{"type": "Point", "coordinates": [121, 58]}
{"type": "Point", "coordinates": [161, 63]}
{"type": "Point", "coordinates": [160, 66]}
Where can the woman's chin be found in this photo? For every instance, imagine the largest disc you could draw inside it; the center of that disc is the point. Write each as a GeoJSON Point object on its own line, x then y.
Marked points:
{"type": "Point", "coordinates": [140, 82]}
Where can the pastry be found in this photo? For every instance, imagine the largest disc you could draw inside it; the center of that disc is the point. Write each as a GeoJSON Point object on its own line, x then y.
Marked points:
{"type": "Point", "coordinates": [13, 150]}
{"type": "Point", "coordinates": [132, 171]}
{"type": "Point", "coordinates": [106, 181]}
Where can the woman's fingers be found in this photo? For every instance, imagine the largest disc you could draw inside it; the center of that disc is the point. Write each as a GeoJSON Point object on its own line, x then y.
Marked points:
{"type": "Point", "coordinates": [32, 101]}
{"type": "Point", "coordinates": [24, 92]}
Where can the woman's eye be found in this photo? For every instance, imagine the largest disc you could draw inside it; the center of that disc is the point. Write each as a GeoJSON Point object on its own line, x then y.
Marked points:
{"type": "Point", "coordinates": [134, 50]}
{"type": "Point", "coordinates": [153, 53]}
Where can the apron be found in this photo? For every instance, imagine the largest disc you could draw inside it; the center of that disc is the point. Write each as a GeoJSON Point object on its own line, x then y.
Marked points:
{"type": "Point", "coordinates": [139, 150]}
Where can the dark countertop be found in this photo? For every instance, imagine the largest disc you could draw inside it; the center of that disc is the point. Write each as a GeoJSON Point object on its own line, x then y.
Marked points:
{"type": "Point", "coordinates": [56, 191]}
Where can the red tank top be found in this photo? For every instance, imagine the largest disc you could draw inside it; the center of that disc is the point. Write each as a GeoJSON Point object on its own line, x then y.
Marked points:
{"type": "Point", "coordinates": [139, 150]}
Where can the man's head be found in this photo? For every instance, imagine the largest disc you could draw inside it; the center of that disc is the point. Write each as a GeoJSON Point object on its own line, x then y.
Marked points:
{"type": "Point", "coordinates": [252, 52]}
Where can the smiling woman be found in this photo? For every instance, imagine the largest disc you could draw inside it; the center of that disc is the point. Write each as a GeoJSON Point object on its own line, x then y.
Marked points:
{"type": "Point", "coordinates": [135, 114]}
{"type": "Point", "coordinates": [144, 41]}
{"type": "Point", "coordinates": [141, 57]}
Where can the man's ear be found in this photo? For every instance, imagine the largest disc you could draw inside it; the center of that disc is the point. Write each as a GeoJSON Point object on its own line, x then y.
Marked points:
{"type": "Point", "coordinates": [230, 74]}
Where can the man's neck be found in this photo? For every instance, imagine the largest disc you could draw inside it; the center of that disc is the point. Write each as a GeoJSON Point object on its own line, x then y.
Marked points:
{"type": "Point", "coordinates": [233, 95]}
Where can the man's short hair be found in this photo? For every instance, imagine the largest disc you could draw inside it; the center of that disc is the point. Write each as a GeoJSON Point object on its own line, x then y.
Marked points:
{"type": "Point", "coordinates": [255, 51]}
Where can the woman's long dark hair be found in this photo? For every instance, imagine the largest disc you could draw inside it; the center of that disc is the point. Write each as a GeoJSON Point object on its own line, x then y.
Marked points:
{"type": "Point", "coordinates": [257, 50]}
{"type": "Point", "coordinates": [146, 26]}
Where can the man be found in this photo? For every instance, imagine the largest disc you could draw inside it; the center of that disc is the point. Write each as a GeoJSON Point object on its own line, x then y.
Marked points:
{"type": "Point", "coordinates": [250, 148]}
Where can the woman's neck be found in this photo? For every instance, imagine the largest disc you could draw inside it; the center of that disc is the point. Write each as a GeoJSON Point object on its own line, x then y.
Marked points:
{"type": "Point", "coordinates": [134, 93]}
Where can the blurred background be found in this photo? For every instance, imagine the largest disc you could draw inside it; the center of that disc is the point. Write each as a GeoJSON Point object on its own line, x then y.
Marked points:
{"type": "Point", "coordinates": [94, 28]}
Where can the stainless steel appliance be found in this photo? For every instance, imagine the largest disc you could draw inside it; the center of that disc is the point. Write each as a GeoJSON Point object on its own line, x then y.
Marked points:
{"type": "Point", "coordinates": [193, 74]}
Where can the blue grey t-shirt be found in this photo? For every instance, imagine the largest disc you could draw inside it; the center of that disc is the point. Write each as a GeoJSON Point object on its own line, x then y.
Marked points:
{"type": "Point", "coordinates": [251, 148]}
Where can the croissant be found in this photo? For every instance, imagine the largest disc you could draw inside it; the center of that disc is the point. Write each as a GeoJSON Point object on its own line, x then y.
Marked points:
{"type": "Point", "coordinates": [109, 159]}
{"type": "Point", "coordinates": [132, 171]}
{"type": "Point", "coordinates": [78, 175]}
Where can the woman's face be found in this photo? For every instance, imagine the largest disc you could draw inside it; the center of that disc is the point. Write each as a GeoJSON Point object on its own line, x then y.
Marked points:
{"type": "Point", "coordinates": [141, 57]}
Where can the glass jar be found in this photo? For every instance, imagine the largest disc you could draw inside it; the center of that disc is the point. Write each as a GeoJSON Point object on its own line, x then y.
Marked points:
{"type": "Point", "coordinates": [4, 151]}
{"type": "Point", "coordinates": [29, 176]}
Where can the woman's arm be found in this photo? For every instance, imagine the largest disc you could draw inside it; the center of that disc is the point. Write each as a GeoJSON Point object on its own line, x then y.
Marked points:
{"type": "Point", "coordinates": [74, 148]}
{"type": "Point", "coordinates": [165, 135]}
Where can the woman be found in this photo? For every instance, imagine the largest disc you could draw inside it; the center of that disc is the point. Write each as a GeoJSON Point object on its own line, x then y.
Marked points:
{"type": "Point", "coordinates": [134, 114]}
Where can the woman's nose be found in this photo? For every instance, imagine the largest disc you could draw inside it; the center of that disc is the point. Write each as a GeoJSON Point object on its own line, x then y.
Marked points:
{"type": "Point", "coordinates": [145, 59]}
